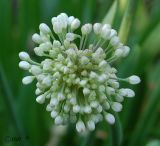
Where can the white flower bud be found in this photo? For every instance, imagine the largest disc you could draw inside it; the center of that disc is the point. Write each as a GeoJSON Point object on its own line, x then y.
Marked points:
{"type": "Point", "coordinates": [66, 70]}
{"type": "Point", "coordinates": [41, 99]}
{"type": "Point", "coordinates": [102, 78]}
{"type": "Point", "coordinates": [58, 120]}
{"type": "Point", "coordinates": [44, 28]}
{"type": "Point", "coordinates": [130, 93]}
{"type": "Point", "coordinates": [46, 46]}
{"type": "Point", "coordinates": [110, 90]}
{"type": "Point", "coordinates": [77, 81]}
{"type": "Point", "coordinates": [113, 33]}
{"type": "Point", "coordinates": [47, 81]}
{"type": "Point", "coordinates": [84, 60]}
{"type": "Point", "coordinates": [91, 125]}
{"type": "Point", "coordinates": [38, 91]}
{"type": "Point", "coordinates": [115, 41]}
{"type": "Point", "coordinates": [86, 29]}
{"type": "Point", "coordinates": [66, 108]}
{"type": "Point", "coordinates": [126, 51]}
{"type": "Point", "coordinates": [106, 105]}
{"type": "Point", "coordinates": [27, 80]}
{"type": "Point", "coordinates": [75, 24]}
{"type": "Point", "coordinates": [60, 96]}
{"type": "Point", "coordinates": [73, 101]}
{"type": "Point", "coordinates": [24, 56]}
{"type": "Point", "coordinates": [116, 106]}
{"type": "Point", "coordinates": [63, 19]}
{"type": "Point", "coordinates": [99, 108]}
{"type": "Point", "coordinates": [126, 92]}
{"type": "Point", "coordinates": [37, 38]}
{"type": "Point", "coordinates": [110, 118]}
{"type": "Point", "coordinates": [35, 70]}
{"type": "Point", "coordinates": [86, 91]}
{"type": "Point", "coordinates": [80, 127]}
{"type": "Point", "coordinates": [76, 108]}
{"type": "Point", "coordinates": [134, 79]}
{"type": "Point", "coordinates": [39, 51]}
{"type": "Point", "coordinates": [94, 104]}
{"type": "Point", "coordinates": [118, 52]}
{"type": "Point", "coordinates": [24, 65]}
{"type": "Point", "coordinates": [54, 101]}
{"type": "Point", "coordinates": [54, 114]}
{"type": "Point", "coordinates": [105, 33]}
{"type": "Point", "coordinates": [49, 108]}
{"type": "Point", "coordinates": [70, 20]}
{"type": "Point", "coordinates": [56, 44]}
{"type": "Point", "coordinates": [92, 75]}
{"type": "Point", "coordinates": [102, 64]}
{"type": "Point", "coordinates": [57, 28]}
{"type": "Point", "coordinates": [70, 36]}
{"type": "Point", "coordinates": [87, 109]}
{"type": "Point", "coordinates": [83, 83]}
{"type": "Point", "coordinates": [119, 98]}
{"type": "Point", "coordinates": [101, 88]}
{"type": "Point", "coordinates": [97, 28]}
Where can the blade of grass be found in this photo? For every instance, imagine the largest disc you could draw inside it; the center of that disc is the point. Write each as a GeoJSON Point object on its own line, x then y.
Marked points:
{"type": "Point", "coordinates": [127, 20]}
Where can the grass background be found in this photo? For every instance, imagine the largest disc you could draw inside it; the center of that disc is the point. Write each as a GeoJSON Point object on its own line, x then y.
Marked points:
{"type": "Point", "coordinates": [21, 116]}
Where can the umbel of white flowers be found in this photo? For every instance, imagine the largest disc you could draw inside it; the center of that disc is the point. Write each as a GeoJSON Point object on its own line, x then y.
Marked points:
{"type": "Point", "coordinates": [77, 79]}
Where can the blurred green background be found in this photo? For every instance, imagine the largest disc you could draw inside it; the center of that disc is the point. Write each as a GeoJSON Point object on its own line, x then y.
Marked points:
{"type": "Point", "coordinates": [21, 117]}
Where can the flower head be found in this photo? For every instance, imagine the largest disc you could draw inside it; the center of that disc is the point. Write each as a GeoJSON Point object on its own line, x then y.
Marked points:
{"type": "Point", "coordinates": [77, 79]}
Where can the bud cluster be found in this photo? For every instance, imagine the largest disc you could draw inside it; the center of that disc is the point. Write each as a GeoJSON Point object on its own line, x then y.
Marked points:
{"type": "Point", "coordinates": [77, 81]}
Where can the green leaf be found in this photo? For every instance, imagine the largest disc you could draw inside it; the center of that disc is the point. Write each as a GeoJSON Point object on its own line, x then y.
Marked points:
{"type": "Point", "coordinates": [109, 18]}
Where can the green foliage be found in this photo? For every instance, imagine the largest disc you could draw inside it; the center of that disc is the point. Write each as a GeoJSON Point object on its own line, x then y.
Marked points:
{"type": "Point", "coordinates": [139, 26]}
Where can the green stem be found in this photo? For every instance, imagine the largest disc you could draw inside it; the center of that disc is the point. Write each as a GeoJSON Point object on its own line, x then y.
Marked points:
{"type": "Point", "coordinates": [11, 106]}
{"type": "Point", "coordinates": [89, 138]}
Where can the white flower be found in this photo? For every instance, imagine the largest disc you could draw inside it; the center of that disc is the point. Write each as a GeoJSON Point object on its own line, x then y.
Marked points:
{"type": "Point", "coordinates": [75, 24]}
{"type": "Point", "coordinates": [126, 51]}
{"type": "Point", "coordinates": [70, 36]}
{"type": "Point", "coordinates": [76, 108]}
{"type": "Point", "coordinates": [116, 106]}
{"type": "Point", "coordinates": [24, 65]}
{"type": "Point", "coordinates": [97, 28]}
{"type": "Point", "coordinates": [110, 118]}
{"type": "Point", "coordinates": [78, 80]}
{"type": "Point", "coordinates": [44, 28]}
{"type": "Point", "coordinates": [134, 79]}
{"type": "Point", "coordinates": [24, 56]}
{"type": "Point", "coordinates": [127, 92]}
{"type": "Point", "coordinates": [80, 126]}
{"type": "Point", "coordinates": [27, 80]}
{"type": "Point", "coordinates": [35, 70]}
{"type": "Point", "coordinates": [58, 120]}
{"type": "Point", "coordinates": [91, 125]}
{"type": "Point", "coordinates": [115, 41]}
{"type": "Point", "coordinates": [37, 38]}
{"type": "Point", "coordinates": [105, 31]}
{"type": "Point", "coordinates": [70, 20]}
{"type": "Point", "coordinates": [54, 114]}
{"type": "Point", "coordinates": [86, 29]}
{"type": "Point", "coordinates": [41, 99]}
